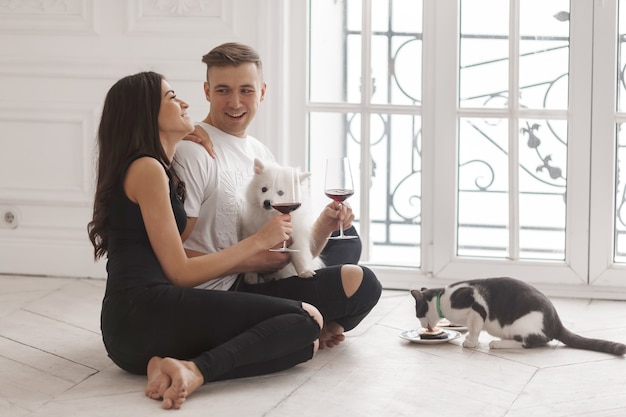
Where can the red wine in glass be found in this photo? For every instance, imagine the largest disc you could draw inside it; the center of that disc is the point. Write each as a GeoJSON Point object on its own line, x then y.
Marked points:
{"type": "Point", "coordinates": [286, 207]}
{"type": "Point", "coordinates": [339, 195]}
{"type": "Point", "coordinates": [286, 196]}
{"type": "Point", "coordinates": [339, 186]}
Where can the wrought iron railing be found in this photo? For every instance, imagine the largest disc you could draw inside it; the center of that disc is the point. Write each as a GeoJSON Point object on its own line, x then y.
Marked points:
{"type": "Point", "coordinates": [404, 203]}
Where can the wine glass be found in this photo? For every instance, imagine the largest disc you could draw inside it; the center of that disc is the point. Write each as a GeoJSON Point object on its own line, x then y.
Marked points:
{"type": "Point", "coordinates": [339, 186]}
{"type": "Point", "coordinates": [287, 196]}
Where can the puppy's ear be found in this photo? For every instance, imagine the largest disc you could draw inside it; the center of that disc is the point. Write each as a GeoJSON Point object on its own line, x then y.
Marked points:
{"type": "Point", "coordinates": [416, 294]}
{"type": "Point", "coordinates": [258, 166]}
{"type": "Point", "coordinates": [304, 176]}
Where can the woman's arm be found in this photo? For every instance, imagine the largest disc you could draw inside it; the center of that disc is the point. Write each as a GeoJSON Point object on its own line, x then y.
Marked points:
{"type": "Point", "coordinates": [147, 184]}
{"type": "Point", "coordinates": [262, 262]}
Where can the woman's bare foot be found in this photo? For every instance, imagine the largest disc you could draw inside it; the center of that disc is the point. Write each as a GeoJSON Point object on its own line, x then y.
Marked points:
{"type": "Point", "coordinates": [185, 377]}
{"type": "Point", "coordinates": [331, 335]}
{"type": "Point", "coordinates": [158, 382]}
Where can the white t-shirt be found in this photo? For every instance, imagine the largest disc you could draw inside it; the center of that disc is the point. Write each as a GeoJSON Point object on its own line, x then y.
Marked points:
{"type": "Point", "coordinates": [215, 189]}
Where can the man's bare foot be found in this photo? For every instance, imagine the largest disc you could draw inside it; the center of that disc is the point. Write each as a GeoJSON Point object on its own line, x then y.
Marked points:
{"type": "Point", "coordinates": [185, 377]}
{"type": "Point", "coordinates": [158, 382]}
{"type": "Point", "coordinates": [331, 335]}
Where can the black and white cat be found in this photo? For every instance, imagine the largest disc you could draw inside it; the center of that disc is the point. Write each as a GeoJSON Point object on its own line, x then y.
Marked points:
{"type": "Point", "coordinates": [513, 310]}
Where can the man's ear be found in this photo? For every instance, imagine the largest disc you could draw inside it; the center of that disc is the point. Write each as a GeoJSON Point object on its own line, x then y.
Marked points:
{"type": "Point", "coordinates": [263, 88]}
{"type": "Point", "coordinates": [207, 91]}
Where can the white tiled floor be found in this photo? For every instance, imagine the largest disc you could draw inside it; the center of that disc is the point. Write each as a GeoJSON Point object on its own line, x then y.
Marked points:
{"type": "Point", "coordinates": [53, 364]}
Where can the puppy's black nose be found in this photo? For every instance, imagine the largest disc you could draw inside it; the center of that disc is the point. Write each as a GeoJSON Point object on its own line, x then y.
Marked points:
{"type": "Point", "coordinates": [267, 205]}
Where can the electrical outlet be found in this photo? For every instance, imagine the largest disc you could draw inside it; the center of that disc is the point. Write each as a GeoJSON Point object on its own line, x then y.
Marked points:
{"type": "Point", "coordinates": [9, 217]}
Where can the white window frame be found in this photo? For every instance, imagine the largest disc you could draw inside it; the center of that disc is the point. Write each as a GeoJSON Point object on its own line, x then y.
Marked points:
{"type": "Point", "coordinates": [588, 270]}
{"type": "Point", "coordinates": [446, 265]}
{"type": "Point", "coordinates": [603, 272]}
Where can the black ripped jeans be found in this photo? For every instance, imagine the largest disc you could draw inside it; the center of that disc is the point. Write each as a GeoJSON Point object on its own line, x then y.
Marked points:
{"type": "Point", "coordinates": [325, 290]}
{"type": "Point", "coordinates": [226, 334]}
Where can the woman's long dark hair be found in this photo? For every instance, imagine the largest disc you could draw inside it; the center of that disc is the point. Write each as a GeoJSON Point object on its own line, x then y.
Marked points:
{"type": "Point", "coordinates": [128, 128]}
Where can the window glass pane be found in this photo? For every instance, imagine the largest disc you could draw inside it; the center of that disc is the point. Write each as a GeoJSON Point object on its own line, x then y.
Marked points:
{"type": "Point", "coordinates": [395, 189]}
{"type": "Point", "coordinates": [396, 52]}
{"type": "Point", "coordinates": [380, 69]}
{"type": "Point", "coordinates": [483, 187]}
{"type": "Point", "coordinates": [407, 16]}
{"type": "Point", "coordinates": [542, 183]}
{"type": "Point", "coordinates": [353, 9]}
{"type": "Point", "coordinates": [484, 190]}
{"type": "Point", "coordinates": [380, 15]}
{"type": "Point", "coordinates": [544, 54]}
{"type": "Point", "coordinates": [621, 57]}
{"type": "Point", "coordinates": [335, 51]}
{"type": "Point", "coordinates": [620, 198]}
{"type": "Point", "coordinates": [538, 189]}
{"type": "Point", "coordinates": [336, 76]}
{"type": "Point", "coordinates": [484, 54]}
{"type": "Point", "coordinates": [620, 152]}
{"type": "Point", "coordinates": [353, 69]}
{"type": "Point", "coordinates": [333, 134]}
{"type": "Point", "coordinates": [394, 182]}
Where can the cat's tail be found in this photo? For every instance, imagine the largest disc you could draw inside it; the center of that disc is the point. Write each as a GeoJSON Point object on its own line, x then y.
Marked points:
{"type": "Point", "coordinates": [579, 342]}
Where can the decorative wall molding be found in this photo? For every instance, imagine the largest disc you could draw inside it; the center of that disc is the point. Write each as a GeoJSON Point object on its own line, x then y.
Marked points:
{"type": "Point", "coordinates": [110, 68]}
{"type": "Point", "coordinates": [39, 6]}
{"type": "Point", "coordinates": [51, 257]}
{"type": "Point", "coordinates": [34, 133]}
{"type": "Point", "coordinates": [59, 59]}
{"type": "Point", "coordinates": [47, 17]}
{"type": "Point", "coordinates": [209, 8]}
{"type": "Point", "coordinates": [180, 17]}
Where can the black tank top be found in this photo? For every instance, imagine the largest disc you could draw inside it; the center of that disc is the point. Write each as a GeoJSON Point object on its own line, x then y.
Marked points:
{"type": "Point", "coordinates": [131, 261]}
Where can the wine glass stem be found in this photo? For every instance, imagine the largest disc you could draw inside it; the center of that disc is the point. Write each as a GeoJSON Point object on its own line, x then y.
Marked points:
{"type": "Point", "coordinates": [340, 223]}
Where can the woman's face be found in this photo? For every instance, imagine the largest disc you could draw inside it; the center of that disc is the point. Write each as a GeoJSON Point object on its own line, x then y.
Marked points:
{"type": "Point", "coordinates": [174, 124]}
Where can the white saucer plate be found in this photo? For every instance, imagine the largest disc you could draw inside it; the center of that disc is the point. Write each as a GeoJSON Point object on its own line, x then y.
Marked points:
{"type": "Point", "coordinates": [414, 336]}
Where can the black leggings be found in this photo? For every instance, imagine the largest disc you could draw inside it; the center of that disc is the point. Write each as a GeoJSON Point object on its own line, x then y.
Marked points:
{"type": "Point", "coordinates": [325, 290]}
{"type": "Point", "coordinates": [226, 334]}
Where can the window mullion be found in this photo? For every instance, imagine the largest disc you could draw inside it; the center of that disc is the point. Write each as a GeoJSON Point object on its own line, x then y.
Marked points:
{"type": "Point", "coordinates": [514, 167]}
{"type": "Point", "coordinates": [602, 269]}
{"type": "Point", "coordinates": [366, 94]}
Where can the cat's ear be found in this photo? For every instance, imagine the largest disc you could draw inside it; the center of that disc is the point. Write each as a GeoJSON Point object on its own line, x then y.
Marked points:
{"type": "Point", "coordinates": [416, 294]}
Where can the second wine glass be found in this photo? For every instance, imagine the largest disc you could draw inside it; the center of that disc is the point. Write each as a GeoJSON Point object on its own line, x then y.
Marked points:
{"type": "Point", "coordinates": [287, 196]}
{"type": "Point", "coordinates": [339, 186]}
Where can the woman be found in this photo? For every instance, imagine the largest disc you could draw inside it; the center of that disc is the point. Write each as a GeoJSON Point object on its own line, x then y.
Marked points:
{"type": "Point", "coordinates": [153, 321]}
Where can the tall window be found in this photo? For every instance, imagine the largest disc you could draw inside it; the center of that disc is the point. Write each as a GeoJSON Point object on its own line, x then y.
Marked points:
{"type": "Point", "coordinates": [512, 140]}
{"type": "Point", "coordinates": [476, 136]}
{"type": "Point", "coordinates": [372, 114]}
{"type": "Point", "coordinates": [620, 177]}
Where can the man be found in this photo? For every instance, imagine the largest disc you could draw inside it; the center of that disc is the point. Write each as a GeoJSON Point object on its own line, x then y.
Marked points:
{"type": "Point", "coordinates": [344, 294]}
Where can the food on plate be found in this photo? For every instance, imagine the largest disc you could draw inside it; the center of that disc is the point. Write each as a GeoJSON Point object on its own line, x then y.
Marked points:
{"type": "Point", "coordinates": [448, 324]}
{"type": "Point", "coordinates": [433, 333]}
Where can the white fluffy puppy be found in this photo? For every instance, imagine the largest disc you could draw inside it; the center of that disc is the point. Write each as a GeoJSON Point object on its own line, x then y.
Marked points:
{"type": "Point", "coordinates": [257, 210]}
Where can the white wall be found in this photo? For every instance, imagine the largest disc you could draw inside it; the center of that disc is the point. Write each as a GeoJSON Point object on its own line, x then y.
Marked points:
{"type": "Point", "coordinates": [57, 60]}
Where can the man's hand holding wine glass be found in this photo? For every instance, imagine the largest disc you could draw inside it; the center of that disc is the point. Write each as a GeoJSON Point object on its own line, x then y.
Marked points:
{"type": "Point", "coordinates": [339, 187]}
{"type": "Point", "coordinates": [333, 214]}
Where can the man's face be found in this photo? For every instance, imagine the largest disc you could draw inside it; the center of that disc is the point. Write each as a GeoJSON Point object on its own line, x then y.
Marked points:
{"type": "Point", "coordinates": [235, 94]}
